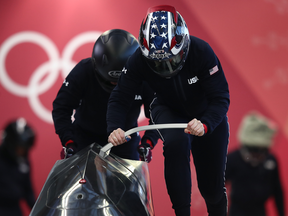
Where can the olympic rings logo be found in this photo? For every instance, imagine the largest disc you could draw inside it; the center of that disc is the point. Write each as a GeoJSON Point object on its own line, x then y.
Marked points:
{"type": "Point", "coordinates": [49, 69]}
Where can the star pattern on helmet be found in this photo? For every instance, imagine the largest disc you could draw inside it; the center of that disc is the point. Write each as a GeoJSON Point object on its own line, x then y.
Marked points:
{"type": "Point", "coordinates": [164, 34]}
{"type": "Point", "coordinates": [159, 41]}
{"type": "Point", "coordinates": [154, 18]}
{"type": "Point", "coordinates": [152, 35]}
{"type": "Point", "coordinates": [163, 26]}
{"type": "Point", "coordinates": [164, 45]}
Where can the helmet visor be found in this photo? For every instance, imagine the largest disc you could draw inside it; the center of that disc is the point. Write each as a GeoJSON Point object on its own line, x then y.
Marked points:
{"type": "Point", "coordinates": [167, 67]}
{"type": "Point", "coordinates": [107, 84]}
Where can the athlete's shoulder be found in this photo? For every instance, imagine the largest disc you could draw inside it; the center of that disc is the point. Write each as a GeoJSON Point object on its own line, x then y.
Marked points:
{"type": "Point", "coordinates": [83, 65]}
{"type": "Point", "coordinates": [136, 57]}
{"type": "Point", "coordinates": [196, 40]}
{"type": "Point", "coordinates": [87, 62]}
{"type": "Point", "coordinates": [83, 70]}
{"type": "Point", "coordinates": [136, 62]}
{"type": "Point", "coordinates": [199, 44]}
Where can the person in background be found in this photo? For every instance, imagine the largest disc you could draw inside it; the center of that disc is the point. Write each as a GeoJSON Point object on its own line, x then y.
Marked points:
{"type": "Point", "coordinates": [17, 139]}
{"type": "Point", "coordinates": [190, 88]}
{"type": "Point", "coordinates": [86, 91]}
{"type": "Point", "coordinates": [252, 170]}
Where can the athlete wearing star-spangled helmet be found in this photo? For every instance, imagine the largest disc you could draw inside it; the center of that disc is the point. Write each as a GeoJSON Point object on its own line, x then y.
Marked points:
{"type": "Point", "coordinates": [164, 39]}
{"type": "Point", "coordinates": [191, 88]}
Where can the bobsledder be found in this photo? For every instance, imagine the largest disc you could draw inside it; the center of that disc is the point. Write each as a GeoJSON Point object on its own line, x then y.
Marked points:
{"type": "Point", "coordinates": [95, 182]}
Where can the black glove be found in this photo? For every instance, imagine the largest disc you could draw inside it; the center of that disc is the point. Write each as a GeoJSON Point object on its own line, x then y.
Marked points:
{"type": "Point", "coordinates": [145, 152]}
{"type": "Point", "coordinates": [69, 150]}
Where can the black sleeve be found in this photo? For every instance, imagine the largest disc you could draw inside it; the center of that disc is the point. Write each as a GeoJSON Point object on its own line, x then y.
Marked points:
{"type": "Point", "coordinates": [123, 94]}
{"type": "Point", "coordinates": [215, 86]}
{"type": "Point", "coordinates": [148, 96]}
{"type": "Point", "coordinates": [66, 101]}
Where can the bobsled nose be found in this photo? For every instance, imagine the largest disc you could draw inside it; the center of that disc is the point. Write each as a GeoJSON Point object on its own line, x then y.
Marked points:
{"type": "Point", "coordinates": [113, 186]}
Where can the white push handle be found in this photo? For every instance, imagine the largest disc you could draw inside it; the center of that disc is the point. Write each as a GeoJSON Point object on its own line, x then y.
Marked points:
{"type": "Point", "coordinates": [105, 150]}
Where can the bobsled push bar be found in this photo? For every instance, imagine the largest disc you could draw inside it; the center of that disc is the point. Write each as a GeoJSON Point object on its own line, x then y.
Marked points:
{"type": "Point", "coordinates": [105, 150]}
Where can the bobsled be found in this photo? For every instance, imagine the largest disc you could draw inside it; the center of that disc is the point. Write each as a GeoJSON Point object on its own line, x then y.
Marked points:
{"type": "Point", "coordinates": [95, 182]}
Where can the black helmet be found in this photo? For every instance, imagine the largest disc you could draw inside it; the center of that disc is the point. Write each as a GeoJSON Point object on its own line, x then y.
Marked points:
{"type": "Point", "coordinates": [17, 134]}
{"type": "Point", "coordinates": [164, 40]}
{"type": "Point", "coordinates": [110, 53]}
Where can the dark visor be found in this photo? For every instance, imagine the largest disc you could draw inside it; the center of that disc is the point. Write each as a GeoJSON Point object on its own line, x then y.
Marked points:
{"type": "Point", "coordinates": [167, 67]}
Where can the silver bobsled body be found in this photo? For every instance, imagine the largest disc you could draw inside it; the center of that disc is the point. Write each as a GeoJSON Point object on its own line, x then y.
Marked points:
{"type": "Point", "coordinates": [88, 184]}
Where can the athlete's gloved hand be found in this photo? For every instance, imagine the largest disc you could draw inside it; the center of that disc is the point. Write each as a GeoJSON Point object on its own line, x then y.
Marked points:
{"type": "Point", "coordinates": [69, 150]}
{"type": "Point", "coordinates": [145, 152]}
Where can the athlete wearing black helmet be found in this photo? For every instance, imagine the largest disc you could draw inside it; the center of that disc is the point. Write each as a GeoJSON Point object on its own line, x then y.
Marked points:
{"type": "Point", "coordinates": [109, 55]}
{"type": "Point", "coordinates": [86, 90]}
{"type": "Point", "coordinates": [191, 88]}
{"type": "Point", "coordinates": [17, 138]}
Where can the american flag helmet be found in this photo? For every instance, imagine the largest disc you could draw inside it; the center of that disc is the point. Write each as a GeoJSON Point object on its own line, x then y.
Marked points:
{"type": "Point", "coordinates": [164, 40]}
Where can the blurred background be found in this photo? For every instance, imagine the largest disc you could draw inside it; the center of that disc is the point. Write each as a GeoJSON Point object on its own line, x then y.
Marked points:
{"type": "Point", "coordinates": [41, 41]}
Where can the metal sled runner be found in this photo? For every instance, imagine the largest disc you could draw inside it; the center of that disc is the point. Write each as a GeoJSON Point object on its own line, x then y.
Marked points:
{"type": "Point", "coordinates": [94, 182]}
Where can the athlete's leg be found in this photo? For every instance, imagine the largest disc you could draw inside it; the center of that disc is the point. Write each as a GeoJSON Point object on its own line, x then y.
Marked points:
{"type": "Point", "coordinates": [176, 151]}
{"type": "Point", "coordinates": [209, 155]}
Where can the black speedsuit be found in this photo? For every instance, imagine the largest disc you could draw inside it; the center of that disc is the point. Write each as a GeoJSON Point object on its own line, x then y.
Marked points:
{"type": "Point", "coordinates": [199, 90]}
{"type": "Point", "coordinates": [81, 92]}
